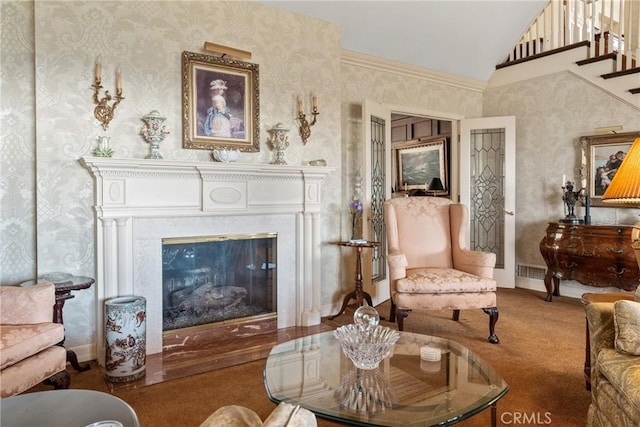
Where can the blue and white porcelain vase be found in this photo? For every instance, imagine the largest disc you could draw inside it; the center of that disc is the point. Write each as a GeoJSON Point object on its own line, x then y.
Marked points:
{"type": "Point", "coordinates": [126, 338]}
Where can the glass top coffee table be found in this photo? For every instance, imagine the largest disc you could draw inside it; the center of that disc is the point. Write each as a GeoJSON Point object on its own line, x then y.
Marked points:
{"type": "Point", "coordinates": [406, 389]}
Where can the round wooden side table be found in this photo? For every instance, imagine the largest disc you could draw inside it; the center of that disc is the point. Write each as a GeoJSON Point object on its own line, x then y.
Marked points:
{"type": "Point", "coordinates": [358, 293]}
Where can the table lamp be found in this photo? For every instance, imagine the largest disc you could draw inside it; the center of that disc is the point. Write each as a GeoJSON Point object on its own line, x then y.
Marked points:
{"type": "Point", "coordinates": [625, 188]}
{"type": "Point", "coordinates": [435, 185]}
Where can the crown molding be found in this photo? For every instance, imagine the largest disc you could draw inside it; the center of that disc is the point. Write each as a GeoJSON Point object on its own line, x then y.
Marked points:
{"type": "Point", "coordinates": [389, 66]}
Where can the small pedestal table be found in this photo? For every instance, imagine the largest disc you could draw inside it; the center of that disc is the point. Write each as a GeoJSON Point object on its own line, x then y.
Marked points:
{"type": "Point", "coordinates": [358, 293]}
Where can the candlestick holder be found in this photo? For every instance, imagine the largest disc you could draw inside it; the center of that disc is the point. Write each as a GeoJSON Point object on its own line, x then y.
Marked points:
{"type": "Point", "coordinates": [103, 111]}
{"type": "Point", "coordinates": [154, 133]}
{"type": "Point", "coordinates": [305, 125]}
{"type": "Point", "coordinates": [570, 197]}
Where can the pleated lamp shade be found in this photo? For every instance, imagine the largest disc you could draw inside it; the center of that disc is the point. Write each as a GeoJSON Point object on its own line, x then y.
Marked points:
{"type": "Point", "coordinates": [625, 185]}
{"type": "Point", "coordinates": [625, 188]}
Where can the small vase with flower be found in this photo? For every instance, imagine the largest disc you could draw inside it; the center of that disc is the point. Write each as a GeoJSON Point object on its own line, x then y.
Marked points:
{"type": "Point", "coordinates": [355, 208]}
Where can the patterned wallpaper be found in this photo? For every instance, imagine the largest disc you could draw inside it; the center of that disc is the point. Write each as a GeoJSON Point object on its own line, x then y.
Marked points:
{"type": "Point", "coordinates": [41, 147]}
{"type": "Point", "coordinates": [552, 113]}
{"type": "Point", "coordinates": [17, 144]}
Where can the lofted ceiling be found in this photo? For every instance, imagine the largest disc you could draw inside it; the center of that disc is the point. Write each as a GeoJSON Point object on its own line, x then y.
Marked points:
{"type": "Point", "coordinates": [466, 38]}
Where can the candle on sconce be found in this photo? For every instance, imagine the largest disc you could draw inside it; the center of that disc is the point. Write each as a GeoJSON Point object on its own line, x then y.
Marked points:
{"type": "Point", "coordinates": [315, 102]}
{"type": "Point", "coordinates": [118, 79]}
{"type": "Point", "coordinates": [564, 179]}
{"type": "Point", "coordinates": [98, 70]}
{"type": "Point", "coordinates": [299, 105]}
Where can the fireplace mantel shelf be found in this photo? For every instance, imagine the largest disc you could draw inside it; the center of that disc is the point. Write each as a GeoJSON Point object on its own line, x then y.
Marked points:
{"type": "Point", "coordinates": [144, 187]}
{"type": "Point", "coordinates": [138, 202]}
{"type": "Point", "coordinates": [109, 164]}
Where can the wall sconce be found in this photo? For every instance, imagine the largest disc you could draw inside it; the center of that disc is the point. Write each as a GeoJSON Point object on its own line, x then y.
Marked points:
{"type": "Point", "coordinates": [103, 111]}
{"type": "Point", "coordinates": [305, 126]}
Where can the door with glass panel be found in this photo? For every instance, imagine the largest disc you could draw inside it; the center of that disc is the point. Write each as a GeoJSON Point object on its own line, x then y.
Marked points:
{"type": "Point", "coordinates": [487, 187]}
{"type": "Point", "coordinates": [376, 119]}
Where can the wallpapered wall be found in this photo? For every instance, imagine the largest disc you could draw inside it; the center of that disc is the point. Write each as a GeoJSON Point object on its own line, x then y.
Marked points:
{"type": "Point", "coordinates": [552, 112]}
{"type": "Point", "coordinates": [41, 148]}
{"type": "Point", "coordinates": [17, 143]}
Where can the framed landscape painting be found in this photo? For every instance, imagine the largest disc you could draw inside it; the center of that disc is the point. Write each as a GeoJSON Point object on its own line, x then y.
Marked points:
{"type": "Point", "coordinates": [220, 103]}
{"type": "Point", "coordinates": [418, 162]}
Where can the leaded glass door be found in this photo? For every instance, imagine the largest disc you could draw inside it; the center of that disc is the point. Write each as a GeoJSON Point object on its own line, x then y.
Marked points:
{"type": "Point", "coordinates": [377, 188]}
{"type": "Point", "coordinates": [487, 187]}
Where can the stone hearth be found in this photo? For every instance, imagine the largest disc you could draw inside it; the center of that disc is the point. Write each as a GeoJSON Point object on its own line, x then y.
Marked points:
{"type": "Point", "coordinates": [139, 202]}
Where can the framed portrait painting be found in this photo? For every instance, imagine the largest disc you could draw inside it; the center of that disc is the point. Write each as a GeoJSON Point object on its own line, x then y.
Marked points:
{"type": "Point", "coordinates": [601, 157]}
{"type": "Point", "coordinates": [220, 103]}
{"type": "Point", "coordinates": [418, 162]}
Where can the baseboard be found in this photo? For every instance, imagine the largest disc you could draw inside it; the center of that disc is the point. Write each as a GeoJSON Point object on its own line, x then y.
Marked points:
{"type": "Point", "coordinates": [84, 352]}
{"type": "Point", "coordinates": [568, 288]}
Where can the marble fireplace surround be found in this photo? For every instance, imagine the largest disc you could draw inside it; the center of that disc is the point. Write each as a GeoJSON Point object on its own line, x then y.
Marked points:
{"type": "Point", "coordinates": [138, 202]}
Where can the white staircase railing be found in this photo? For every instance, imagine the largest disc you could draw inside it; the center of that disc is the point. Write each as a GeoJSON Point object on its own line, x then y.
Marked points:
{"type": "Point", "coordinates": [609, 26]}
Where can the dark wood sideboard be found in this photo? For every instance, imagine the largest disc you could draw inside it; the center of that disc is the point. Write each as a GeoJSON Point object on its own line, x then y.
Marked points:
{"type": "Point", "coordinates": [594, 255]}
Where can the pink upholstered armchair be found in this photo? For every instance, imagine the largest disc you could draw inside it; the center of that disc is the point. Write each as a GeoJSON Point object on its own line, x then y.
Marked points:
{"type": "Point", "coordinates": [429, 266]}
{"type": "Point", "coordinates": [28, 338]}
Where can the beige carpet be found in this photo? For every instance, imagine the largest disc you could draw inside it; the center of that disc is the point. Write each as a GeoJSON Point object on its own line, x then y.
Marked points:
{"type": "Point", "coordinates": [540, 356]}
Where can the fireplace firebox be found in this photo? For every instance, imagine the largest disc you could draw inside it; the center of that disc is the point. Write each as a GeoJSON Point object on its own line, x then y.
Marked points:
{"type": "Point", "coordinates": [218, 279]}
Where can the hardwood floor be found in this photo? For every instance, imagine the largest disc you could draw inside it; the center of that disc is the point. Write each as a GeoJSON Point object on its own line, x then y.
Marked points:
{"type": "Point", "coordinates": [200, 350]}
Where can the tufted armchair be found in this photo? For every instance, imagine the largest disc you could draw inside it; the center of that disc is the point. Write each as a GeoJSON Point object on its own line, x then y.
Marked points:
{"type": "Point", "coordinates": [429, 266]}
{"type": "Point", "coordinates": [28, 338]}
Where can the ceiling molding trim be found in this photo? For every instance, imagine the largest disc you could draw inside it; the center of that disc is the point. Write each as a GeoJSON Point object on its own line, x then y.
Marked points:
{"type": "Point", "coordinates": [381, 64]}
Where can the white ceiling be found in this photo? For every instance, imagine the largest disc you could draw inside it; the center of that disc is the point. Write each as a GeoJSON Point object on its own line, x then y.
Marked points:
{"type": "Point", "coordinates": [465, 38]}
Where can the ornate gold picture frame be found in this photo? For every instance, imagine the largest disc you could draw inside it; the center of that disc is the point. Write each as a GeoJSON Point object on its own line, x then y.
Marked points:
{"type": "Point", "coordinates": [220, 103]}
{"type": "Point", "coordinates": [601, 155]}
{"type": "Point", "coordinates": [418, 162]}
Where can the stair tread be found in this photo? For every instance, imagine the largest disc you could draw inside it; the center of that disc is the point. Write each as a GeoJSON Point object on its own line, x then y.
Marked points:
{"type": "Point", "coordinates": [597, 59]}
{"type": "Point", "coordinates": [621, 73]}
{"type": "Point", "coordinates": [542, 54]}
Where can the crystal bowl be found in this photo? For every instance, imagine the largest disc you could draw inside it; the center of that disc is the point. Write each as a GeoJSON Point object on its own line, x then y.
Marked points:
{"type": "Point", "coordinates": [366, 345]}
{"type": "Point", "coordinates": [226, 155]}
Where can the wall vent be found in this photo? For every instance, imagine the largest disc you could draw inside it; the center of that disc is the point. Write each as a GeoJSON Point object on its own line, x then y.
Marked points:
{"type": "Point", "coordinates": [531, 271]}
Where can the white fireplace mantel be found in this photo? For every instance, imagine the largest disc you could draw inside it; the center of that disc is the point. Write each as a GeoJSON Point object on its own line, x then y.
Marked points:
{"type": "Point", "coordinates": [138, 202]}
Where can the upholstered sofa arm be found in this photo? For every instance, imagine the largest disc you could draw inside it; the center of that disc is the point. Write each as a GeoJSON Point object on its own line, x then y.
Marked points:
{"type": "Point", "coordinates": [397, 265]}
{"type": "Point", "coordinates": [27, 305]}
{"type": "Point", "coordinates": [285, 414]}
{"type": "Point", "coordinates": [601, 327]}
{"type": "Point", "coordinates": [474, 262]}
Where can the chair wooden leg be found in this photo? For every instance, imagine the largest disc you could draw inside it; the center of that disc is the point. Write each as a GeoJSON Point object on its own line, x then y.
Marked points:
{"type": "Point", "coordinates": [392, 312]}
{"type": "Point", "coordinates": [401, 315]}
{"type": "Point", "coordinates": [456, 315]}
{"type": "Point", "coordinates": [493, 318]}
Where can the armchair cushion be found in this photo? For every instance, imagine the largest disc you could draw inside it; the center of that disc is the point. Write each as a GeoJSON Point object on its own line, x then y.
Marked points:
{"type": "Point", "coordinates": [615, 376]}
{"type": "Point", "coordinates": [626, 318]}
{"type": "Point", "coordinates": [21, 341]}
{"type": "Point", "coordinates": [29, 352]}
{"type": "Point", "coordinates": [623, 373]}
{"type": "Point", "coordinates": [443, 280]}
{"type": "Point", "coordinates": [27, 305]}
